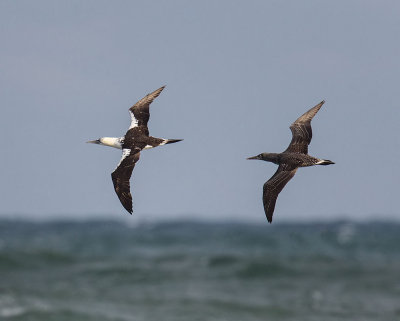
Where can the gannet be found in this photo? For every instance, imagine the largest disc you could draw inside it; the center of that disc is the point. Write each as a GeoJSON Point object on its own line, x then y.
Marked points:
{"type": "Point", "coordinates": [135, 140]}
{"type": "Point", "coordinates": [295, 156]}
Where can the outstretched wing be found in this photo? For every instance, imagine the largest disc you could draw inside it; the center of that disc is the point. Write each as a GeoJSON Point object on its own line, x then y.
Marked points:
{"type": "Point", "coordinates": [302, 132]}
{"type": "Point", "coordinates": [140, 113]}
{"type": "Point", "coordinates": [121, 175]}
{"type": "Point", "coordinates": [274, 186]}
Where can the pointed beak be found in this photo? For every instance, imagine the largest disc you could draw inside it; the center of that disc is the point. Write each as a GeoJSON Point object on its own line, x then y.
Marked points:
{"type": "Point", "coordinates": [254, 157]}
{"type": "Point", "coordinates": [97, 141]}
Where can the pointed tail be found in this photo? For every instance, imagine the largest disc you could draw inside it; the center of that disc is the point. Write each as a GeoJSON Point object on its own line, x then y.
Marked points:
{"type": "Point", "coordinates": [170, 141]}
{"type": "Point", "coordinates": [325, 162]}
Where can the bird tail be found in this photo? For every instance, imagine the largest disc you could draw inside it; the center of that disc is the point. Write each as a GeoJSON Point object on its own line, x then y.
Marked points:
{"type": "Point", "coordinates": [324, 162]}
{"type": "Point", "coordinates": [170, 141]}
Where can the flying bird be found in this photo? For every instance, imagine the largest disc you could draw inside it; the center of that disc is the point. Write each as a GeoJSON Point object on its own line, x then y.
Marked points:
{"type": "Point", "coordinates": [135, 140]}
{"type": "Point", "coordinates": [295, 156]}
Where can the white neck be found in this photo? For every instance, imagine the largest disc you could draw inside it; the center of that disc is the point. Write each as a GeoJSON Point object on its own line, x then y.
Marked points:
{"type": "Point", "coordinates": [115, 142]}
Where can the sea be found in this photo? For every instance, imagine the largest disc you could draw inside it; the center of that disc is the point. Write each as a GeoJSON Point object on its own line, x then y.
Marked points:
{"type": "Point", "coordinates": [195, 271]}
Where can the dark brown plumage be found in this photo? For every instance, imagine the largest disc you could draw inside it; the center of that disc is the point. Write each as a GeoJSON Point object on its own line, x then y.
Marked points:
{"type": "Point", "coordinates": [295, 156]}
{"type": "Point", "coordinates": [120, 177]}
{"type": "Point", "coordinates": [136, 139]}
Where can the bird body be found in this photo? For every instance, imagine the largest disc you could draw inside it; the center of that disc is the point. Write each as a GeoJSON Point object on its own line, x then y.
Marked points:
{"type": "Point", "coordinates": [135, 140]}
{"type": "Point", "coordinates": [295, 156]}
{"type": "Point", "coordinates": [300, 160]}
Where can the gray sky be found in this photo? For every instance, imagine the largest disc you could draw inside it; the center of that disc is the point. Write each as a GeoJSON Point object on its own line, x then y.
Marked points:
{"type": "Point", "coordinates": [238, 73]}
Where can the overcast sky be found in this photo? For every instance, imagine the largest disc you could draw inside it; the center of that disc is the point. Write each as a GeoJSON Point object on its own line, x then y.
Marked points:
{"type": "Point", "coordinates": [238, 73]}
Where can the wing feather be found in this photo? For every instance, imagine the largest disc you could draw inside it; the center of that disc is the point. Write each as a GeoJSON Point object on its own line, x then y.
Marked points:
{"type": "Point", "coordinates": [140, 113]}
{"type": "Point", "coordinates": [121, 175]}
{"type": "Point", "coordinates": [302, 132]}
{"type": "Point", "coordinates": [274, 186]}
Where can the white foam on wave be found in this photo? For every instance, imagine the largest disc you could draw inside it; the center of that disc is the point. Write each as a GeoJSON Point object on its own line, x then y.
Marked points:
{"type": "Point", "coordinates": [11, 311]}
{"type": "Point", "coordinates": [9, 307]}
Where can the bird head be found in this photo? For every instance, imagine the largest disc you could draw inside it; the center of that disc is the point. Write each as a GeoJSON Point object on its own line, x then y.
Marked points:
{"type": "Point", "coordinates": [268, 157]}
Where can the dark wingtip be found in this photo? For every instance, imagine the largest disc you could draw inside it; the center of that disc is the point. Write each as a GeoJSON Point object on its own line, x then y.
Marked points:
{"type": "Point", "coordinates": [160, 89]}
{"type": "Point", "coordinates": [128, 208]}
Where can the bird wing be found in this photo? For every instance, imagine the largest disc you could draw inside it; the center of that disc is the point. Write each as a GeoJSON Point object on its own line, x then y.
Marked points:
{"type": "Point", "coordinates": [121, 175]}
{"type": "Point", "coordinates": [140, 113]}
{"type": "Point", "coordinates": [302, 132]}
{"type": "Point", "coordinates": [274, 186]}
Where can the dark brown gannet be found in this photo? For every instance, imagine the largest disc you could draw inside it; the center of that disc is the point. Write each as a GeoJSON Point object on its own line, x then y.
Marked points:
{"type": "Point", "coordinates": [295, 156]}
{"type": "Point", "coordinates": [136, 139]}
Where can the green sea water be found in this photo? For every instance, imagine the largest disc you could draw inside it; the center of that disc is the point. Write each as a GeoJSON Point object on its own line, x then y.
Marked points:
{"type": "Point", "coordinates": [103, 271]}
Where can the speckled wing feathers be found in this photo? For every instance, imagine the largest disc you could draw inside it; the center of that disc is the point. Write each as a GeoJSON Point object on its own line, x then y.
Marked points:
{"type": "Point", "coordinates": [302, 132]}
{"type": "Point", "coordinates": [140, 113]}
{"type": "Point", "coordinates": [274, 186]}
